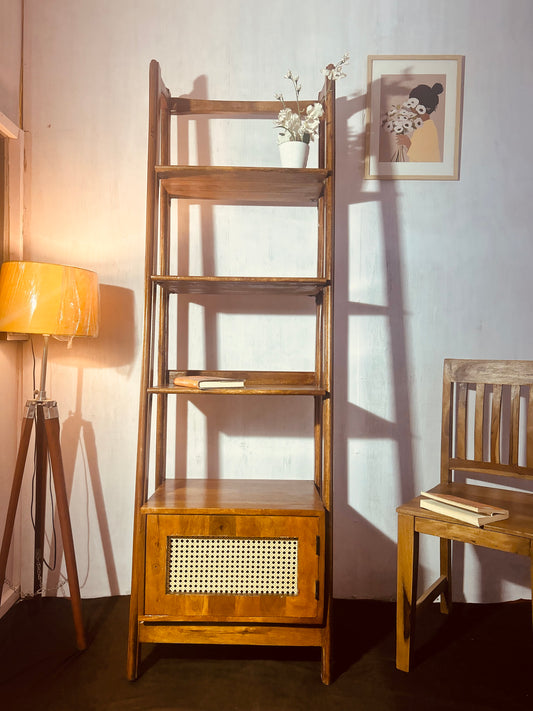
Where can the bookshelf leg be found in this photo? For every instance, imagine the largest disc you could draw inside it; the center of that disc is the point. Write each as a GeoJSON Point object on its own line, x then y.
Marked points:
{"type": "Point", "coordinates": [134, 649]}
{"type": "Point", "coordinates": [325, 670]}
{"type": "Point", "coordinates": [406, 590]}
{"type": "Point", "coordinates": [531, 563]}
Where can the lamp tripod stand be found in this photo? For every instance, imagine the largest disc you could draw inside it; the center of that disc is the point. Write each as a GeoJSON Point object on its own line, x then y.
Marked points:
{"type": "Point", "coordinates": [44, 413]}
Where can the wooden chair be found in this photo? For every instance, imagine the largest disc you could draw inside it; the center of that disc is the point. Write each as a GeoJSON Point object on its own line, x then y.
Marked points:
{"type": "Point", "coordinates": [487, 430]}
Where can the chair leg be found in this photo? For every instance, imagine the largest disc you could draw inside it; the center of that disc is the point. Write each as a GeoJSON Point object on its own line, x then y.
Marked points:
{"type": "Point", "coordinates": [407, 590]}
{"type": "Point", "coordinates": [446, 571]}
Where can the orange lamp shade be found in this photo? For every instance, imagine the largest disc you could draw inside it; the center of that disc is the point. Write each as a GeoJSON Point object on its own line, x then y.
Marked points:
{"type": "Point", "coordinates": [48, 299]}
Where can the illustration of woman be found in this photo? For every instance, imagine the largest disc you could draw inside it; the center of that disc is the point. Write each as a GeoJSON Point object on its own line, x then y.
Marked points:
{"type": "Point", "coordinates": [423, 145]}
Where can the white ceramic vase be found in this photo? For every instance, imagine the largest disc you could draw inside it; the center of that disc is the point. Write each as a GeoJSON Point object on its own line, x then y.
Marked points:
{"type": "Point", "coordinates": [293, 154]}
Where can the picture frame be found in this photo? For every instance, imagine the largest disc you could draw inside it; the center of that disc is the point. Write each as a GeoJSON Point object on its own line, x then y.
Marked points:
{"type": "Point", "coordinates": [396, 148]}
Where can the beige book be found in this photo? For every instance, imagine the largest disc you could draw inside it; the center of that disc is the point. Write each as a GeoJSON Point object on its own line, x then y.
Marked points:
{"type": "Point", "coordinates": [206, 382]}
{"type": "Point", "coordinates": [474, 512]}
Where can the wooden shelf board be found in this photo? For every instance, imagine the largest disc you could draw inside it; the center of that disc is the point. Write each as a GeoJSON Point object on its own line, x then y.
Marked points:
{"type": "Point", "coordinates": [266, 389]}
{"type": "Point", "coordinates": [156, 630]}
{"type": "Point", "coordinates": [184, 105]}
{"type": "Point", "coordinates": [257, 383]}
{"type": "Point", "coordinates": [304, 286]}
{"type": "Point", "coordinates": [235, 185]}
{"type": "Point", "coordinates": [235, 496]}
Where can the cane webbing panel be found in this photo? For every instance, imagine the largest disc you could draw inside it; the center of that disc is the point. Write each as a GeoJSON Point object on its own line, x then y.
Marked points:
{"type": "Point", "coordinates": [232, 566]}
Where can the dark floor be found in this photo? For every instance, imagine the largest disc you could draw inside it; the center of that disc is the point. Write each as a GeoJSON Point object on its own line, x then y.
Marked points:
{"type": "Point", "coordinates": [484, 660]}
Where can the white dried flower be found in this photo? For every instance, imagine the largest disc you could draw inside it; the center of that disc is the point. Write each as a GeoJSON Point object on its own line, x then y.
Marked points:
{"type": "Point", "coordinates": [303, 125]}
{"type": "Point", "coordinates": [335, 72]}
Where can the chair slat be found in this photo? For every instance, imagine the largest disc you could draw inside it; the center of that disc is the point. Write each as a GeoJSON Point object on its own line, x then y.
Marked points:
{"type": "Point", "coordinates": [495, 424]}
{"type": "Point", "coordinates": [447, 434]}
{"type": "Point", "coordinates": [460, 431]}
{"type": "Point", "coordinates": [514, 424]}
{"type": "Point", "coordinates": [529, 429]}
{"type": "Point", "coordinates": [478, 422]}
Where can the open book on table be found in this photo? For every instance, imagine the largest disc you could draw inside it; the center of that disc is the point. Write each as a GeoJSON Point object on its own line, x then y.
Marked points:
{"type": "Point", "coordinates": [466, 510]}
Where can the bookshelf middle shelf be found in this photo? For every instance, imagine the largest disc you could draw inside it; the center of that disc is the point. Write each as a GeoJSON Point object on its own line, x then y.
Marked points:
{"type": "Point", "coordinates": [301, 286]}
{"type": "Point", "coordinates": [256, 383]}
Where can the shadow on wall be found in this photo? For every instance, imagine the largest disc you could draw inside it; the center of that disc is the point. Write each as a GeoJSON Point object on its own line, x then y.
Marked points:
{"type": "Point", "coordinates": [353, 422]}
{"type": "Point", "coordinates": [113, 348]}
{"type": "Point", "coordinates": [377, 572]}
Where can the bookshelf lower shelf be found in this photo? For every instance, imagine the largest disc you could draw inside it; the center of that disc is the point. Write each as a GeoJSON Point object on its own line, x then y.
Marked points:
{"type": "Point", "coordinates": [255, 383]}
{"type": "Point", "coordinates": [165, 632]}
{"type": "Point", "coordinates": [235, 496]}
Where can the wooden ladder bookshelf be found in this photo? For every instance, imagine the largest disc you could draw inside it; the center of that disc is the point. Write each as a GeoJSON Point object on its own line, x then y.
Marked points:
{"type": "Point", "coordinates": [215, 560]}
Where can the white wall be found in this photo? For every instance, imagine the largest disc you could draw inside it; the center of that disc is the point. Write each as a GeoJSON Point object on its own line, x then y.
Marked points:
{"type": "Point", "coordinates": [10, 362]}
{"type": "Point", "coordinates": [424, 269]}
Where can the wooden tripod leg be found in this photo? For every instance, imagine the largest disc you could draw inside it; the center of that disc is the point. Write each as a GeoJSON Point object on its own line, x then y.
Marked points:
{"type": "Point", "coordinates": [41, 474]}
{"type": "Point", "coordinates": [51, 423]}
{"type": "Point", "coordinates": [15, 491]}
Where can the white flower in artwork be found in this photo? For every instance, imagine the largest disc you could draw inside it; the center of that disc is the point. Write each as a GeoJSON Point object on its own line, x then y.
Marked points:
{"type": "Point", "coordinates": [403, 119]}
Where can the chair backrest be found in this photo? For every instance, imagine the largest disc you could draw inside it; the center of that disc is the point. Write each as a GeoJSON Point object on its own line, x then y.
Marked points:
{"type": "Point", "coordinates": [487, 418]}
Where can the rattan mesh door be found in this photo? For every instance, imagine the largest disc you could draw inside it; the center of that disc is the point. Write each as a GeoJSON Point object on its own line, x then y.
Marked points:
{"type": "Point", "coordinates": [234, 567]}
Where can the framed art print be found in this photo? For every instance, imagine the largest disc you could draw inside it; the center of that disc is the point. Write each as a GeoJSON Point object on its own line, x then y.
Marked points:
{"type": "Point", "coordinates": [413, 117]}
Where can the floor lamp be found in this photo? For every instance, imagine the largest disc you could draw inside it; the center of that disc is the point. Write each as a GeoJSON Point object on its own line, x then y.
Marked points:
{"type": "Point", "coordinates": [60, 301]}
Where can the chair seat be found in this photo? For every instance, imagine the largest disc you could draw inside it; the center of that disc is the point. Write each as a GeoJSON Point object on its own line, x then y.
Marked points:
{"type": "Point", "coordinates": [518, 503]}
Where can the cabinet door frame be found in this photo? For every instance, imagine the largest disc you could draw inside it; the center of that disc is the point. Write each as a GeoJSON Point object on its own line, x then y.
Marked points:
{"type": "Point", "coordinates": [306, 605]}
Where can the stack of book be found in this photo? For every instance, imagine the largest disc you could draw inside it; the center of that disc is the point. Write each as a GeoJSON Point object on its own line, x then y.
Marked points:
{"type": "Point", "coordinates": [473, 512]}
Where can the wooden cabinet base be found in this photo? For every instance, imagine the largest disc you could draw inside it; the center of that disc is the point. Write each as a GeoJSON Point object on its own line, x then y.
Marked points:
{"type": "Point", "coordinates": [261, 635]}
